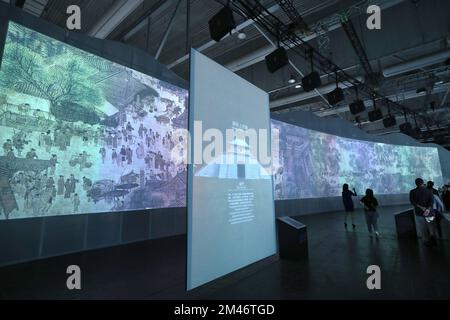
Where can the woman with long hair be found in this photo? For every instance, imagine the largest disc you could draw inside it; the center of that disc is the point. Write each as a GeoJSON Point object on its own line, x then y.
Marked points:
{"type": "Point", "coordinates": [348, 203]}
{"type": "Point", "coordinates": [370, 204]}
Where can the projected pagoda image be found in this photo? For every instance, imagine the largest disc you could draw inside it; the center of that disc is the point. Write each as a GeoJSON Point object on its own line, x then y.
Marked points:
{"type": "Point", "coordinates": [237, 163]}
{"type": "Point", "coordinates": [82, 134]}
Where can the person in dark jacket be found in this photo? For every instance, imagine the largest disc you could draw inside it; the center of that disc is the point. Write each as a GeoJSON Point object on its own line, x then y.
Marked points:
{"type": "Point", "coordinates": [370, 208]}
{"type": "Point", "coordinates": [348, 203]}
{"type": "Point", "coordinates": [446, 197]}
{"type": "Point", "coordinates": [430, 186]}
{"type": "Point", "coordinates": [422, 199]}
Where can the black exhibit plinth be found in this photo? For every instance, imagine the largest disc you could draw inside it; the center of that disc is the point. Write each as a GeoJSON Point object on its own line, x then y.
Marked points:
{"type": "Point", "coordinates": [292, 238]}
{"type": "Point", "coordinates": [405, 224]}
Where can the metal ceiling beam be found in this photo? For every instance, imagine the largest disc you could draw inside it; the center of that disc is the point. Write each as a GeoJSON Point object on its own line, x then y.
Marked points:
{"type": "Point", "coordinates": [416, 63]}
{"type": "Point", "coordinates": [210, 43]}
{"type": "Point", "coordinates": [143, 20]}
{"type": "Point", "coordinates": [327, 88]}
{"type": "Point", "coordinates": [378, 127]}
{"type": "Point", "coordinates": [352, 36]}
{"type": "Point", "coordinates": [169, 27]}
{"type": "Point", "coordinates": [259, 55]}
{"type": "Point", "coordinates": [113, 17]}
{"type": "Point", "coordinates": [290, 62]}
{"type": "Point", "coordinates": [394, 97]}
{"type": "Point", "coordinates": [308, 95]}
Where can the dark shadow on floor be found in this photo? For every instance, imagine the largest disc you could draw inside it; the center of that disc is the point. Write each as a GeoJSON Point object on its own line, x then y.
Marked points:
{"type": "Point", "coordinates": [334, 269]}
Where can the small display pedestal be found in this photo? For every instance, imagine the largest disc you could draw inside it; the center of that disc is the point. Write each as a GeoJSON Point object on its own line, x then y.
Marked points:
{"type": "Point", "coordinates": [405, 224]}
{"type": "Point", "coordinates": [292, 238]}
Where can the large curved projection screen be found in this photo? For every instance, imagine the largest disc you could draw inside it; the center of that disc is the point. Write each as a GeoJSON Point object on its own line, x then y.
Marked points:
{"type": "Point", "coordinates": [311, 164]}
{"type": "Point", "coordinates": [82, 134]}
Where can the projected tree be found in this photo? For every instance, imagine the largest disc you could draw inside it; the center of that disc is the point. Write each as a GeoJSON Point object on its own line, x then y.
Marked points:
{"type": "Point", "coordinates": [64, 82]}
{"type": "Point", "coordinates": [83, 134]}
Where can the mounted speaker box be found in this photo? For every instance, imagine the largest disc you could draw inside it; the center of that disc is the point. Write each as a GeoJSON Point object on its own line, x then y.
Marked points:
{"type": "Point", "coordinates": [389, 121]}
{"type": "Point", "coordinates": [405, 127]}
{"type": "Point", "coordinates": [440, 139]}
{"type": "Point", "coordinates": [427, 135]}
{"type": "Point", "coordinates": [374, 80]}
{"type": "Point", "coordinates": [335, 96]}
{"type": "Point", "coordinates": [357, 107]}
{"type": "Point", "coordinates": [416, 133]}
{"type": "Point", "coordinates": [221, 24]}
{"type": "Point", "coordinates": [375, 115]}
{"type": "Point", "coordinates": [19, 3]}
{"type": "Point", "coordinates": [311, 81]}
{"type": "Point", "coordinates": [277, 60]}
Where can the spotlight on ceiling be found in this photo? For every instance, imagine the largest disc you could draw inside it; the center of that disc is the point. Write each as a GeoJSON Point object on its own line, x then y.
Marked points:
{"type": "Point", "coordinates": [298, 86]}
{"type": "Point", "coordinates": [292, 80]}
{"type": "Point", "coordinates": [242, 35]}
{"type": "Point", "coordinates": [438, 83]}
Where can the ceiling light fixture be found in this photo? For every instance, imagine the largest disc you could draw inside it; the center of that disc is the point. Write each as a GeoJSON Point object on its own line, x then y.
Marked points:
{"type": "Point", "coordinates": [291, 80]}
{"type": "Point", "coordinates": [242, 36]}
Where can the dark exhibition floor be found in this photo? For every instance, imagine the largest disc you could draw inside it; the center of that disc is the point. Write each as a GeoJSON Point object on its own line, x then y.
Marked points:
{"type": "Point", "coordinates": [335, 269]}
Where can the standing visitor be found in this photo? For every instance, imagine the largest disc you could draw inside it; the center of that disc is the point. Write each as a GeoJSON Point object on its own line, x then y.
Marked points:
{"type": "Point", "coordinates": [446, 197]}
{"type": "Point", "coordinates": [348, 203]}
{"type": "Point", "coordinates": [422, 200]}
{"type": "Point", "coordinates": [370, 208]}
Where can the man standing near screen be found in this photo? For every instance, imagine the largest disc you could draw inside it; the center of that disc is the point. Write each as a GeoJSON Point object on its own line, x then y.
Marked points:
{"type": "Point", "coordinates": [422, 200]}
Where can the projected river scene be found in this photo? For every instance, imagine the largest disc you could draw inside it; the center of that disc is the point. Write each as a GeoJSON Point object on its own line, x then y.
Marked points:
{"type": "Point", "coordinates": [81, 134]}
{"type": "Point", "coordinates": [315, 164]}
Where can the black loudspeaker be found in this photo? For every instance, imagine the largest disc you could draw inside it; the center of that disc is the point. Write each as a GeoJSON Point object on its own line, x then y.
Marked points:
{"type": "Point", "coordinates": [277, 59]}
{"type": "Point", "coordinates": [335, 96]}
{"type": "Point", "coordinates": [427, 135]}
{"type": "Point", "coordinates": [405, 127]}
{"type": "Point", "coordinates": [375, 115]}
{"type": "Point", "coordinates": [19, 3]}
{"type": "Point", "coordinates": [357, 107]}
{"type": "Point", "coordinates": [221, 24]}
{"type": "Point", "coordinates": [311, 81]}
{"type": "Point", "coordinates": [415, 133]}
{"type": "Point", "coordinates": [389, 121]}
{"type": "Point", "coordinates": [440, 139]}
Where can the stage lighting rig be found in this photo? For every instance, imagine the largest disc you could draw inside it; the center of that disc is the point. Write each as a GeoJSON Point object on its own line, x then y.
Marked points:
{"type": "Point", "coordinates": [358, 105]}
{"type": "Point", "coordinates": [297, 21]}
{"type": "Point", "coordinates": [277, 59]}
{"type": "Point", "coordinates": [253, 9]}
{"type": "Point", "coordinates": [375, 114]}
{"type": "Point", "coordinates": [337, 95]}
{"type": "Point", "coordinates": [19, 3]}
{"type": "Point", "coordinates": [350, 31]}
{"type": "Point", "coordinates": [312, 80]}
{"type": "Point", "coordinates": [390, 120]}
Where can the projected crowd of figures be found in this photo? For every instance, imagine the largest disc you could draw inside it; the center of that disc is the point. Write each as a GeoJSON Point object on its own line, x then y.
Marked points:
{"type": "Point", "coordinates": [315, 164]}
{"type": "Point", "coordinates": [81, 134]}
